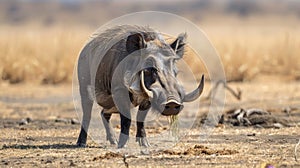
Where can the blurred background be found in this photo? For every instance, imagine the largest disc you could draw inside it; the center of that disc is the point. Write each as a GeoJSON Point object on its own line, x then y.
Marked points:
{"type": "Point", "coordinates": [257, 40]}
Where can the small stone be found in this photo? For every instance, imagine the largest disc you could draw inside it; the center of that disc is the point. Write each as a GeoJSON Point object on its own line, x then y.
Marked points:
{"type": "Point", "coordinates": [74, 121]}
{"type": "Point", "coordinates": [23, 122]}
{"type": "Point", "coordinates": [286, 110]}
{"type": "Point", "coordinates": [252, 134]}
{"type": "Point", "coordinates": [29, 138]}
{"type": "Point", "coordinates": [278, 125]}
{"type": "Point", "coordinates": [48, 161]}
{"type": "Point", "coordinates": [145, 152]}
{"type": "Point", "coordinates": [61, 120]}
{"type": "Point", "coordinates": [72, 163]}
{"type": "Point", "coordinates": [258, 126]}
{"type": "Point", "coordinates": [28, 119]}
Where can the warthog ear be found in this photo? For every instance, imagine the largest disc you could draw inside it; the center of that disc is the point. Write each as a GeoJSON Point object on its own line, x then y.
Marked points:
{"type": "Point", "coordinates": [135, 42]}
{"type": "Point", "coordinates": [178, 44]}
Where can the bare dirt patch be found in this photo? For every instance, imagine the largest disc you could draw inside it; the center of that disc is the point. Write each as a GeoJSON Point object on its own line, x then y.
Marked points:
{"type": "Point", "coordinates": [38, 128]}
{"type": "Point", "coordinates": [197, 150]}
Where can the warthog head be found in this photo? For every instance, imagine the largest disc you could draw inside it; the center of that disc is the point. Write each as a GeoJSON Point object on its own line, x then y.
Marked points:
{"type": "Point", "coordinates": [156, 76]}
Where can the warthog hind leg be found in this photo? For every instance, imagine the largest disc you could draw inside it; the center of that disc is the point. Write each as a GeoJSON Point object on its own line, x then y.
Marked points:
{"type": "Point", "coordinates": [110, 134]}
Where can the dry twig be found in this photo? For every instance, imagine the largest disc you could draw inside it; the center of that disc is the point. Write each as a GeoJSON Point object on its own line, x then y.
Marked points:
{"type": "Point", "coordinates": [237, 94]}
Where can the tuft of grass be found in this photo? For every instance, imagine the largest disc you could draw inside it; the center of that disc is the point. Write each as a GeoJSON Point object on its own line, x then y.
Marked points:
{"type": "Point", "coordinates": [174, 127]}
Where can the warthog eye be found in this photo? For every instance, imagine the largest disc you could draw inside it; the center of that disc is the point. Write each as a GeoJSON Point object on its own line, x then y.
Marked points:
{"type": "Point", "coordinates": [150, 72]}
{"type": "Point", "coordinates": [150, 76]}
{"type": "Point", "coordinates": [147, 72]}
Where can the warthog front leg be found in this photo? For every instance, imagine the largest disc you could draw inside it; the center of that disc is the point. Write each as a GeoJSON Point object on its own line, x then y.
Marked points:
{"type": "Point", "coordinates": [140, 119]}
{"type": "Point", "coordinates": [123, 105]}
{"type": "Point", "coordinates": [124, 135]}
{"type": "Point", "coordinates": [110, 135]}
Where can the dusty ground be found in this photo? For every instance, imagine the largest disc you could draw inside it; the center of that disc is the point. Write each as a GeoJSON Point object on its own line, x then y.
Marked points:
{"type": "Point", "coordinates": [36, 130]}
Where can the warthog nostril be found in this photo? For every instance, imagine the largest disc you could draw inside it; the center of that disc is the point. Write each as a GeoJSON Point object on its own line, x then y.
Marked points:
{"type": "Point", "coordinates": [178, 107]}
{"type": "Point", "coordinates": [172, 108]}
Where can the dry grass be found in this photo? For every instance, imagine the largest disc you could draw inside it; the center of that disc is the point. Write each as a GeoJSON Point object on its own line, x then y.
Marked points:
{"type": "Point", "coordinates": [39, 54]}
{"type": "Point", "coordinates": [249, 50]}
{"type": "Point", "coordinates": [259, 50]}
{"type": "Point", "coordinates": [47, 55]}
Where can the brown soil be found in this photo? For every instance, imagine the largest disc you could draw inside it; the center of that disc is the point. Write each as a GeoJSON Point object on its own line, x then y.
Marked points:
{"type": "Point", "coordinates": [197, 150]}
{"type": "Point", "coordinates": [38, 129]}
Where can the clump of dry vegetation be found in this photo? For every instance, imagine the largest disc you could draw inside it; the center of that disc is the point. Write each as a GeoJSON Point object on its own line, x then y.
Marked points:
{"type": "Point", "coordinates": [42, 55]}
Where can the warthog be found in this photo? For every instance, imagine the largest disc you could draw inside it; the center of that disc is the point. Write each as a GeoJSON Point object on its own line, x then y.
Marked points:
{"type": "Point", "coordinates": [146, 79]}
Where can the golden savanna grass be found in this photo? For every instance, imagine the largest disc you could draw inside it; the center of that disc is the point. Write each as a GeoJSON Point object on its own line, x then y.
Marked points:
{"type": "Point", "coordinates": [47, 55]}
{"type": "Point", "coordinates": [42, 55]}
{"type": "Point", "coordinates": [250, 51]}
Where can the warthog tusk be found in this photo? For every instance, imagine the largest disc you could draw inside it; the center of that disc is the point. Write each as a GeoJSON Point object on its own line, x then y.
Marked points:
{"type": "Point", "coordinates": [196, 93]}
{"type": "Point", "coordinates": [148, 92]}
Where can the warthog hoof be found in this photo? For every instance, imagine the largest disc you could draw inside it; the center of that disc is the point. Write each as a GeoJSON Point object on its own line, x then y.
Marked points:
{"type": "Point", "coordinates": [123, 139]}
{"type": "Point", "coordinates": [81, 145]}
{"type": "Point", "coordinates": [112, 140]}
{"type": "Point", "coordinates": [143, 141]}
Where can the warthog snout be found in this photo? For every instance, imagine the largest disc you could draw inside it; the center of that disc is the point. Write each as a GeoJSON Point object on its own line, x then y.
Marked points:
{"type": "Point", "coordinates": [172, 108]}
